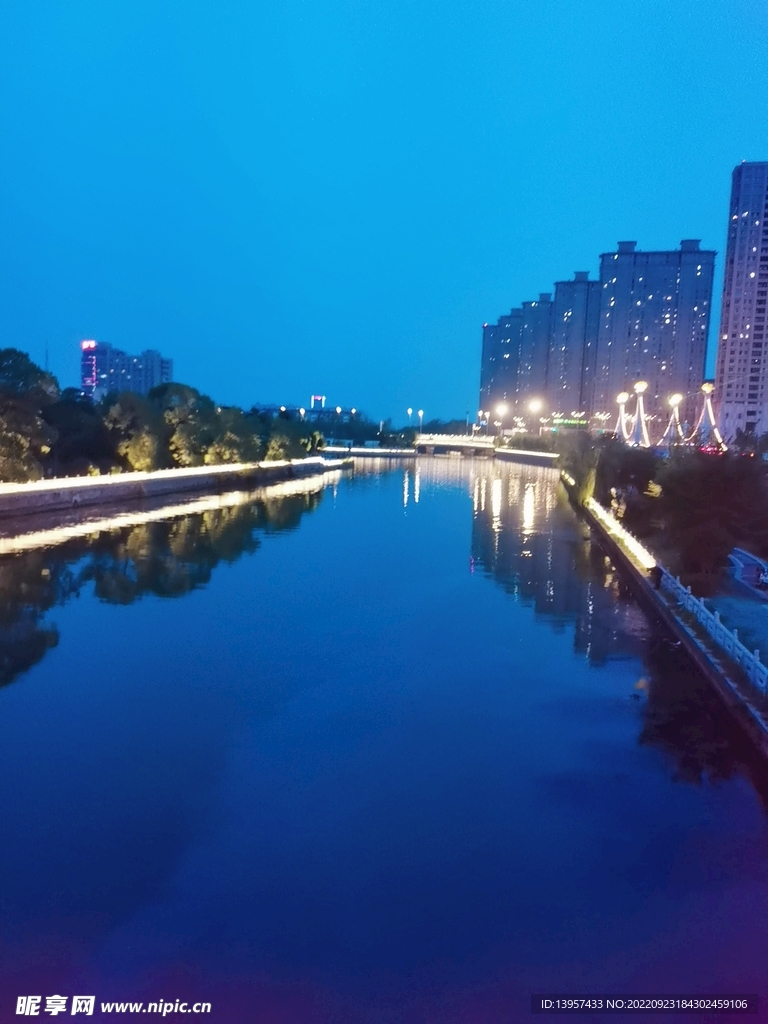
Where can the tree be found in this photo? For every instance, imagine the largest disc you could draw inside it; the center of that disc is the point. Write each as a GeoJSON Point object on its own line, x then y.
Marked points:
{"type": "Point", "coordinates": [191, 419]}
{"type": "Point", "coordinates": [21, 377]}
{"type": "Point", "coordinates": [623, 468]}
{"type": "Point", "coordinates": [83, 441]}
{"type": "Point", "coordinates": [236, 439]}
{"type": "Point", "coordinates": [314, 443]}
{"type": "Point", "coordinates": [139, 432]}
{"type": "Point", "coordinates": [25, 437]}
{"type": "Point", "coordinates": [710, 504]}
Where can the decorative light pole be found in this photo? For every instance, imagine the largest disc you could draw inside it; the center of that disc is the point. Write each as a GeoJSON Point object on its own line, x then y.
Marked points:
{"type": "Point", "coordinates": [410, 413]}
{"type": "Point", "coordinates": [621, 425]}
{"type": "Point", "coordinates": [421, 419]}
{"type": "Point", "coordinates": [674, 401]}
{"type": "Point", "coordinates": [640, 433]}
{"type": "Point", "coordinates": [708, 387]}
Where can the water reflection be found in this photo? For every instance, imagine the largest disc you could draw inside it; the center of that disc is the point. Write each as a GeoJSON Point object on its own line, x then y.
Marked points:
{"type": "Point", "coordinates": [350, 780]}
{"type": "Point", "coordinates": [530, 542]}
{"type": "Point", "coordinates": [527, 538]}
{"type": "Point", "coordinates": [165, 551]}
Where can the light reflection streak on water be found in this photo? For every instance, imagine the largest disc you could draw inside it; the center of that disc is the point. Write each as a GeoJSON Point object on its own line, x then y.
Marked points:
{"type": "Point", "coordinates": [529, 508]}
{"type": "Point", "coordinates": [62, 534]}
{"type": "Point", "coordinates": [417, 485]}
{"type": "Point", "coordinates": [406, 482]}
{"type": "Point", "coordinates": [496, 505]}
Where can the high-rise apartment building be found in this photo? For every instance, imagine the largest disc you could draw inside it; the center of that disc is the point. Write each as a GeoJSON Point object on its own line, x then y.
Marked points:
{"type": "Point", "coordinates": [501, 360]}
{"type": "Point", "coordinates": [534, 351]}
{"type": "Point", "coordinates": [741, 385]}
{"type": "Point", "coordinates": [104, 368]}
{"type": "Point", "coordinates": [654, 321]}
{"type": "Point", "coordinates": [573, 343]}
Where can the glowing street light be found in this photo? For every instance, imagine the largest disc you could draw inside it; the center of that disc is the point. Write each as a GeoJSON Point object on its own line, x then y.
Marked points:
{"type": "Point", "coordinates": [623, 398]}
{"type": "Point", "coordinates": [338, 410]}
{"type": "Point", "coordinates": [675, 400]}
{"type": "Point", "coordinates": [501, 411]}
{"type": "Point", "coordinates": [421, 419]}
{"type": "Point", "coordinates": [536, 405]}
{"type": "Point", "coordinates": [410, 413]}
{"type": "Point", "coordinates": [302, 413]}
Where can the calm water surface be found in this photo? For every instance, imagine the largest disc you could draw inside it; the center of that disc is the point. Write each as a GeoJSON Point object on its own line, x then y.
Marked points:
{"type": "Point", "coordinates": [398, 751]}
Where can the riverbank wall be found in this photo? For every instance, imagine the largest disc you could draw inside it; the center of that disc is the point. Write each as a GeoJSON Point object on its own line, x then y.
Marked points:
{"type": "Point", "coordinates": [70, 493]}
{"type": "Point", "coordinates": [744, 701]}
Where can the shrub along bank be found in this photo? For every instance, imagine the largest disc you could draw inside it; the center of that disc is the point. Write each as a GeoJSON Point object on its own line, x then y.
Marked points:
{"type": "Point", "coordinates": [690, 507]}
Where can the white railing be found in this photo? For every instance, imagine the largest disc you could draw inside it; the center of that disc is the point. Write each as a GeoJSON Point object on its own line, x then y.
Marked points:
{"type": "Point", "coordinates": [456, 440]}
{"type": "Point", "coordinates": [726, 639]}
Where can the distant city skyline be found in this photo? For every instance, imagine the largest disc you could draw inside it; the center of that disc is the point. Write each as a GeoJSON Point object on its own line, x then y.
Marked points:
{"type": "Point", "coordinates": [284, 198]}
{"type": "Point", "coordinates": [645, 319]}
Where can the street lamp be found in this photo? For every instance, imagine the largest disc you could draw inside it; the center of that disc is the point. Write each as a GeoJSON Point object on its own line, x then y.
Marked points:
{"type": "Point", "coordinates": [410, 413]}
{"type": "Point", "coordinates": [501, 411]}
{"type": "Point", "coordinates": [536, 405]}
{"type": "Point", "coordinates": [421, 419]}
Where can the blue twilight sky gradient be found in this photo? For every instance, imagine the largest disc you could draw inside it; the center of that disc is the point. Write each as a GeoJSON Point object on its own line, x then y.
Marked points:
{"type": "Point", "coordinates": [290, 196]}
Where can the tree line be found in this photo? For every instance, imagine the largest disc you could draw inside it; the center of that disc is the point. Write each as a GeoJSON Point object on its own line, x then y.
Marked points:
{"type": "Point", "coordinates": [46, 431]}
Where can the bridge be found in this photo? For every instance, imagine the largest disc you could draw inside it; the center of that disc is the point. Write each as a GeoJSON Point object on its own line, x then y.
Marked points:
{"type": "Point", "coordinates": [454, 443]}
{"type": "Point", "coordinates": [437, 444]}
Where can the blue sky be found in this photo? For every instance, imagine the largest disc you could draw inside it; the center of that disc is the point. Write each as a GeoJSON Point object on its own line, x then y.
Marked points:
{"type": "Point", "coordinates": [332, 195]}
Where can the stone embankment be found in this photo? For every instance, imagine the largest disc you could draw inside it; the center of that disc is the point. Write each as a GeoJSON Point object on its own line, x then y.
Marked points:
{"type": "Point", "coordinates": [66, 494]}
{"type": "Point", "coordinates": [735, 673]}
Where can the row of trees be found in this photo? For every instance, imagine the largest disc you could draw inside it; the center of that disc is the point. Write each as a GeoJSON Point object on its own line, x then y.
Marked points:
{"type": "Point", "coordinates": [691, 507]}
{"type": "Point", "coordinates": [48, 432]}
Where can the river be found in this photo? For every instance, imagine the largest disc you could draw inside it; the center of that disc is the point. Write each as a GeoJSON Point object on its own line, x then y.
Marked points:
{"type": "Point", "coordinates": [399, 750]}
